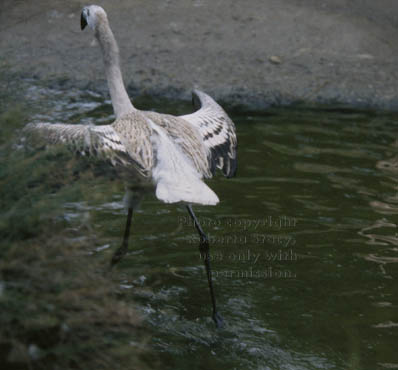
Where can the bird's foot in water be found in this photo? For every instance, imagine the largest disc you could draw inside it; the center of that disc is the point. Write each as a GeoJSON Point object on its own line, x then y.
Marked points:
{"type": "Point", "coordinates": [218, 320]}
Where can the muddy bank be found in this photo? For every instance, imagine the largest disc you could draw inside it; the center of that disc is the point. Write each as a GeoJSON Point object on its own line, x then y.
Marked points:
{"type": "Point", "coordinates": [251, 54]}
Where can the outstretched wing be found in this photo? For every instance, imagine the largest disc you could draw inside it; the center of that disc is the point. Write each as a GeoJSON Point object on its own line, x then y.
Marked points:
{"type": "Point", "coordinates": [102, 142]}
{"type": "Point", "coordinates": [217, 131]}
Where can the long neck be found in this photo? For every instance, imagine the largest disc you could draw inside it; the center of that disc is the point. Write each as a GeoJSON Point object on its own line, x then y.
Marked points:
{"type": "Point", "coordinates": [120, 100]}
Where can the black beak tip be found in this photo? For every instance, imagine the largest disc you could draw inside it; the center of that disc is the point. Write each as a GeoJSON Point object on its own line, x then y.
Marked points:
{"type": "Point", "coordinates": [83, 22]}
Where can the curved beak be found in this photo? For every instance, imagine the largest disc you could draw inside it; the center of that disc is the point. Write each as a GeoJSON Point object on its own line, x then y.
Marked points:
{"type": "Point", "coordinates": [83, 21]}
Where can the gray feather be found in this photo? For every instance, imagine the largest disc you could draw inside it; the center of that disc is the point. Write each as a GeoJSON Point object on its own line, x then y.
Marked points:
{"type": "Point", "coordinates": [217, 131]}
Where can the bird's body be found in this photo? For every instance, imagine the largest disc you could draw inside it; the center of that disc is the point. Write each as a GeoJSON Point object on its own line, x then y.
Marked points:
{"type": "Point", "coordinates": [172, 154]}
{"type": "Point", "coordinates": [152, 148]}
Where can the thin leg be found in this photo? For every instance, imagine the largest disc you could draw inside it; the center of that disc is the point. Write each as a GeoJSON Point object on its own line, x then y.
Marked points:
{"type": "Point", "coordinates": [204, 250]}
{"type": "Point", "coordinates": [122, 250]}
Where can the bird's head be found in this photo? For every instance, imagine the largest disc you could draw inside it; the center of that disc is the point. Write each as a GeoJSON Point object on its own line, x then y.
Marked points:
{"type": "Point", "coordinates": [91, 15]}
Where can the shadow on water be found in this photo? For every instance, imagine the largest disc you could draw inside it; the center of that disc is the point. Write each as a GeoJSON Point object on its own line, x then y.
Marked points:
{"type": "Point", "coordinates": [303, 244]}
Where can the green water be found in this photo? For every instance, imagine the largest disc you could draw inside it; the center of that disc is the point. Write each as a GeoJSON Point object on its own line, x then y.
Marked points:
{"type": "Point", "coordinates": [304, 244]}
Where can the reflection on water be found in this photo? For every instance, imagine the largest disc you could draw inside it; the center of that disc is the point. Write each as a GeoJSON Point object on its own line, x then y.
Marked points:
{"type": "Point", "coordinates": [384, 232]}
{"type": "Point", "coordinates": [304, 244]}
{"type": "Point", "coordinates": [389, 202]}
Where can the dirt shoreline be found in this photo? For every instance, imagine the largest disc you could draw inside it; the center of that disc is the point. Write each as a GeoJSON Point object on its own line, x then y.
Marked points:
{"type": "Point", "coordinates": [253, 55]}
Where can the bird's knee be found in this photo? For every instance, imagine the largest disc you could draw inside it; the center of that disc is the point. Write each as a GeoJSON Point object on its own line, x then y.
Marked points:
{"type": "Point", "coordinates": [204, 245]}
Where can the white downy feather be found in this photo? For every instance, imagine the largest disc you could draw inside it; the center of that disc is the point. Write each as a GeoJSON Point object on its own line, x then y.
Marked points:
{"type": "Point", "coordinates": [176, 178]}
